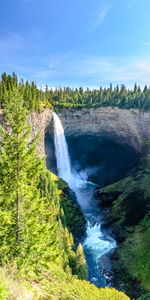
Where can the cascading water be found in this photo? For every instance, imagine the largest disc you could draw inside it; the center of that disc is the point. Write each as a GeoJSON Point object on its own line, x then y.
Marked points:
{"type": "Point", "coordinates": [61, 150]}
{"type": "Point", "coordinates": [96, 244]}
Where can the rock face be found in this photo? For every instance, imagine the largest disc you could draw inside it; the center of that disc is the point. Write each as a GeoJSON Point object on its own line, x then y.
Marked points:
{"type": "Point", "coordinates": [131, 127]}
{"type": "Point", "coordinates": [39, 124]}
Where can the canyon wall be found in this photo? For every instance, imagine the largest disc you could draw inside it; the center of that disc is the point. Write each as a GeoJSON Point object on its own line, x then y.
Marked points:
{"type": "Point", "coordinates": [130, 127]}
{"type": "Point", "coordinates": [39, 124]}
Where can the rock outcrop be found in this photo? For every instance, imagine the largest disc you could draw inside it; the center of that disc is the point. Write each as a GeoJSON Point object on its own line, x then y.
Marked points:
{"type": "Point", "coordinates": [39, 124]}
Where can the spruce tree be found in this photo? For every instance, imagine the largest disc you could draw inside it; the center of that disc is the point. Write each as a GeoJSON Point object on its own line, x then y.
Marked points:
{"type": "Point", "coordinates": [18, 164]}
{"type": "Point", "coordinates": [30, 228]}
{"type": "Point", "coordinates": [81, 265]}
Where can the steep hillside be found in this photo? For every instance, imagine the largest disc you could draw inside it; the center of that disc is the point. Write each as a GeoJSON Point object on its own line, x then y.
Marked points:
{"type": "Point", "coordinates": [128, 206]}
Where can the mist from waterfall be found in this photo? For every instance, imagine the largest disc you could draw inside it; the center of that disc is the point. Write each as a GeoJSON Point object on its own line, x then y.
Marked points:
{"type": "Point", "coordinates": [96, 244]}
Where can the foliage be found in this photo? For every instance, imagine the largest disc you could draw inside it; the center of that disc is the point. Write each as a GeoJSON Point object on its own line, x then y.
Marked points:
{"type": "Point", "coordinates": [144, 297]}
{"type": "Point", "coordinates": [31, 228]}
{"type": "Point", "coordinates": [71, 212]}
{"type": "Point", "coordinates": [103, 97]}
{"type": "Point", "coordinates": [66, 287]}
{"type": "Point", "coordinates": [15, 288]}
{"type": "Point", "coordinates": [54, 284]}
{"type": "Point", "coordinates": [37, 100]}
{"type": "Point", "coordinates": [135, 255]}
{"type": "Point", "coordinates": [37, 251]}
{"type": "Point", "coordinates": [3, 290]}
{"type": "Point", "coordinates": [18, 166]}
{"type": "Point", "coordinates": [34, 98]}
{"type": "Point", "coordinates": [81, 266]}
{"type": "Point", "coordinates": [131, 223]}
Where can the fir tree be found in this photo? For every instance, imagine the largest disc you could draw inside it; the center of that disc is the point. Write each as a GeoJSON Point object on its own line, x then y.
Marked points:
{"type": "Point", "coordinates": [18, 164]}
{"type": "Point", "coordinates": [81, 265]}
{"type": "Point", "coordinates": [30, 228]}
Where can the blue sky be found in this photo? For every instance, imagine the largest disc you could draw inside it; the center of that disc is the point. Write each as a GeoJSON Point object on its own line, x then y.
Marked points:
{"type": "Point", "coordinates": [76, 42]}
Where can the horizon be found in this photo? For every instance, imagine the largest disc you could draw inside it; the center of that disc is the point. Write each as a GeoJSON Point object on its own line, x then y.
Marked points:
{"type": "Point", "coordinates": [43, 86]}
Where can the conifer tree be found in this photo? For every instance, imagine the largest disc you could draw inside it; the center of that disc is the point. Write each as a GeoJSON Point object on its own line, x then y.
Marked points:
{"type": "Point", "coordinates": [30, 229]}
{"type": "Point", "coordinates": [18, 164]}
{"type": "Point", "coordinates": [81, 265]}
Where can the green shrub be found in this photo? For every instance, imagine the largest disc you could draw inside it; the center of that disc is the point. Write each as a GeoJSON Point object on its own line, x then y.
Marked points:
{"type": "Point", "coordinates": [3, 290]}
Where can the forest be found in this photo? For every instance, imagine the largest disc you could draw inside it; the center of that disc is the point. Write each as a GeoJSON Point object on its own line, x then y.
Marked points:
{"type": "Point", "coordinates": [37, 99]}
{"type": "Point", "coordinates": [39, 253]}
{"type": "Point", "coordinates": [39, 258]}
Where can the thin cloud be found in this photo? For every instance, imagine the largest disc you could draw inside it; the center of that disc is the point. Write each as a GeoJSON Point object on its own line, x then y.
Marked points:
{"type": "Point", "coordinates": [146, 44]}
{"type": "Point", "coordinates": [73, 70]}
{"type": "Point", "coordinates": [101, 16]}
{"type": "Point", "coordinates": [57, 65]}
{"type": "Point", "coordinates": [45, 74]}
{"type": "Point", "coordinates": [97, 71]}
{"type": "Point", "coordinates": [116, 70]}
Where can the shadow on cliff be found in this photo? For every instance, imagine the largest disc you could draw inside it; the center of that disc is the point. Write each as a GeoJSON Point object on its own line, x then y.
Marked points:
{"type": "Point", "coordinates": [100, 160]}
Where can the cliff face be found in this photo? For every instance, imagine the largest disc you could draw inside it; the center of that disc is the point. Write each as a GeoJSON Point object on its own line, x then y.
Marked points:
{"type": "Point", "coordinates": [129, 127]}
{"type": "Point", "coordinates": [39, 124]}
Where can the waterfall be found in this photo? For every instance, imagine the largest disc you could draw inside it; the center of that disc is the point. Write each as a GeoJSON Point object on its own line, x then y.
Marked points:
{"type": "Point", "coordinates": [96, 244]}
{"type": "Point", "coordinates": [61, 150]}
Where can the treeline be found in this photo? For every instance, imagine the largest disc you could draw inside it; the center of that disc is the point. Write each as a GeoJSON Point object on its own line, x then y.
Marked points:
{"type": "Point", "coordinates": [36, 99]}
{"type": "Point", "coordinates": [103, 97]}
{"type": "Point", "coordinates": [33, 232]}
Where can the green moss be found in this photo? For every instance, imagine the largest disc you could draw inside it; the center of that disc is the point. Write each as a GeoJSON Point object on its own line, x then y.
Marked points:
{"type": "Point", "coordinates": [144, 297]}
{"type": "Point", "coordinates": [120, 186]}
{"type": "Point", "coordinates": [130, 220]}
{"type": "Point", "coordinates": [73, 216]}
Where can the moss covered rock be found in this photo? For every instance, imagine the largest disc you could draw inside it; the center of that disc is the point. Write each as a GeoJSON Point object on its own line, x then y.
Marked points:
{"type": "Point", "coordinates": [71, 211]}
{"type": "Point", "coordinates": [130, 218]}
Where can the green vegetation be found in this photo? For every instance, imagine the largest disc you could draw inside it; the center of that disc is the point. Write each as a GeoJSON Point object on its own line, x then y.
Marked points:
{"type": "Point", "coordinates": [131, 223]}
{"type": "Point", "coordinates": [103, 97]}
{"type": "Point", "coordinates": [38, 256]}
{"type": "Point", "coordinates": [71, 214]}
{"type": "Point", "coordinates": [36, 99]}
{"type": "Point", "coordinates": [55, 284]}
{"type": "Point", "coordinates": [3, 290]}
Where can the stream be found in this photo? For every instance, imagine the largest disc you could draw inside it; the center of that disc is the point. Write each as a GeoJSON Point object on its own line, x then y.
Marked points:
{"type": "Point", "coordinates": [98, 243]}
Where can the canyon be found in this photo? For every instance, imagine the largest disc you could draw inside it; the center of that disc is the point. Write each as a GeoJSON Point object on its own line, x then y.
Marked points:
{"type": "Point", "coordinates": [127, 127]}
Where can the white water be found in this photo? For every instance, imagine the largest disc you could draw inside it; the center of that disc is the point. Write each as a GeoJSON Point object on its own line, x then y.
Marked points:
{"type": "Point", "coordinates": [96, 243]}
{"type": "Point", "coordinates": [61, 150]}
